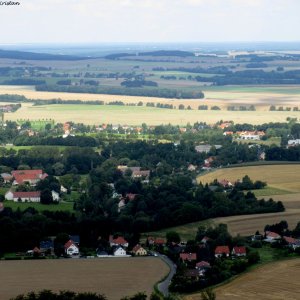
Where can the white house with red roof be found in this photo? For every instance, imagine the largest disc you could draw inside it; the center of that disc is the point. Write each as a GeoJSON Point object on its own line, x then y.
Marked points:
{"type": "Point", "coordinates": [202, 265]}
{"type": "Point", "coordinates": [23, 196]}
{"type": "Point", "coordinates": [272, 237]}
{"type": "Point", "coordinates": [31, 177]}
{"type": "Point", "coordinates": [119, 241]}
{"type": "Point", "coordinates": [220, 251]}
{"type": "Point", "coordinates": [71, 248]}
{"type": "Point", "coordinates": [239, 251]}
{"type": "Point", "coordinates": [188, 256]}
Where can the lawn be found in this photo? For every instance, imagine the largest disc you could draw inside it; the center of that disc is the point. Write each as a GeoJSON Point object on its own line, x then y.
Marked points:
{"type": "Point", "coordinates": [114, 277]}
{"type": "Point", "coordinates": [62, 206]}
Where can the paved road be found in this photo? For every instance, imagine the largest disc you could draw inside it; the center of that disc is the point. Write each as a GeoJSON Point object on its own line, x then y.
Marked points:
{"type": "Point", "coordinates": [163, 287]}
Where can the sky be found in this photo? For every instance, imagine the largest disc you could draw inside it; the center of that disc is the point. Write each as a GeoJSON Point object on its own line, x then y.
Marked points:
{"type": "Point", "coordinates": [121, 21]}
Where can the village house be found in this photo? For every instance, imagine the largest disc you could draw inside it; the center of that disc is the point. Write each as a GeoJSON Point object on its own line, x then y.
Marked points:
{"type": "Point", "coordinates": [192, 168]}
{"type": "Point", "coordinates": [145, 174]}
{"type": "Point", "coordinates": [221, 251]}
{"type": "Point", "coordinates": [34, 196]}
{"type": "Point", "coordinates": [271, 237]}
{"type": "Point", "coordinates": [291, 242]}
{"type": "Point", "coordinates": [202, 265]}
{"type": "Point", "coordinates": [138, 250]}
{"type": "Point", "coordinates": [293, 143]}
{"type": "Point", "coordinates": [188, 257]}
{"type": "Point", "coordinates": [119, 241]}
{"type": "Point", "coordinates": [23, 196]}
{"type": "Point", "coordinates": [31, 177]}
{"type": "Point", "coordinates": [7, 178]}
{"type": "Point", "coordinates": [239, 251]}
{"type": "Point", "coordinates": [250, 135]}
{"type": "Point", "coordinates": [71, 248]}
{"type": "Point", "coordinates": [119, 251]}
{"type": "Point", "coordinates": [206, 148]}
{"type": "Point", "coordinates": [225, 183]}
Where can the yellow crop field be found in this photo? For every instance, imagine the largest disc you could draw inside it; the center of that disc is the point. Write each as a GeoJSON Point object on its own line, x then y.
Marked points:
{"type": "Point", "coordinates": [275, 281]}
{"type": "Point", "coordinates": [112, 114]}
{"type": "Point", "coordinates": [283, 177]}
{"type": "Point", "coordinates": [114, 277]}
{"type": "Point", "coordinates": [138, 115]}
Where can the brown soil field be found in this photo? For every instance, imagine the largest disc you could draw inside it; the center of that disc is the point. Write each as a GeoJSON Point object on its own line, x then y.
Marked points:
{"type": "Point", "coordinates": [275, 281]}
{"type": "Point", "coordinates": [114, 277]}
{"type": "Point", "coordinates": [284, 177]}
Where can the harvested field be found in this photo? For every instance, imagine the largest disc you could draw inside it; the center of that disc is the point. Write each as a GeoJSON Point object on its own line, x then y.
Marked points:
{"type": "Point", "coordinates": [114, 277]}
{"type": "Point", "coordinates": [283, 177]}
{"type": "Point", "coordinates": [274, 281]}
{"type": "Point", "coordinates": [136, 115]}
{"type": "Point", "coordinates": [223, 97]}
{"type": "Point", "coordinates": [244, 225]}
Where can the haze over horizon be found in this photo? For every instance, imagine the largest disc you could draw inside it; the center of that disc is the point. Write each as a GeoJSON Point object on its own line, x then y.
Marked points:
{"type": "Point", "coordinates": [146, 21]}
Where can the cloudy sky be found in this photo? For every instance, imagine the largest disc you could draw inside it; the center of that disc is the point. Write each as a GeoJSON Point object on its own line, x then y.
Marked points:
{"type": "Point", "coordinates": [79, 21]}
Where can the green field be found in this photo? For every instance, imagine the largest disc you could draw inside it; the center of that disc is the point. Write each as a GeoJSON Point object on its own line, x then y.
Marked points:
{"type": "Point", "coordinates": [37, 124]}
{"type": "Point", "coordinates": [62, 206]}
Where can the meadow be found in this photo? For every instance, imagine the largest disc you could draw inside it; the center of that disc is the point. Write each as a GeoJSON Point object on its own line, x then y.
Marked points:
{"type": "Point", "coordinates": [62, 206]}
{"type": "Point", "coordinates": [114, 277]}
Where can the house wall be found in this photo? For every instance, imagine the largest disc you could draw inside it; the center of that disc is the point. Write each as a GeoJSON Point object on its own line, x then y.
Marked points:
{"type": "Point", "coordinates": [28, 199]}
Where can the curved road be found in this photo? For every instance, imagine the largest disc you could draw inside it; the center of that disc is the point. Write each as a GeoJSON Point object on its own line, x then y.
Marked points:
{"type": "Point", "coordinates": [163, 286]}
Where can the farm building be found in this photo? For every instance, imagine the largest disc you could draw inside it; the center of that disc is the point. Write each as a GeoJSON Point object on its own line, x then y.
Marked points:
{"type": "Point", "coordinates": [119, 251]}
{"type": "Point", "coordinates": [31, 177]}
{"type": "Point", "coordinates": [239, 251]}
{"type": "Point", "coordinates": [119, 241]}
{"type": "Point", "coordinates": [221, 251]}
{"type": "Point", "coordinates": [71, 248]}
{"type": "Point", "coordinates": [139, 250]}
{"type": "Point", "coordinates": [23, 196]}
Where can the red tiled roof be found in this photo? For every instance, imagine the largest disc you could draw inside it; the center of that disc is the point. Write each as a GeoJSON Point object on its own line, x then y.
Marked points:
{"type": "Point", "coordinates": [119, 240]}
{"type": "Point", "coordinates": [222, 249]}
{"type": "Point", "coordinates": [130, 196]}
{"type": "Point", "coordinates": [69, 243]}
{"type": "Point", "coordinates": [239, 250]}
{"type": "Point", "coordinates": [159, 241]}
{"type": "Point", "coordinates": [290, 240]}
{"type": "Point", "coordinates": [26, 194]}
{"type": "Point", "coordinates": [202, 264]}
{"type": "Point", "coordinates": [188, 256]}
{"type": "Point", "coordinates": [272, 234]}
{"type": "Point", "coordinates": [27, 175]}
{"type": "Point", "coordinates": [137, 247]}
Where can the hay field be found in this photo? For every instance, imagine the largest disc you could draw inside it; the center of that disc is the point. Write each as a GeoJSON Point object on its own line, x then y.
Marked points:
{"type": "Point", "coordinates": [262, 96]}
{"type": "Point", "coordinates": [114, 277]}
{"type": "Point", "coordinates": [275, 281]}
{"type": "Point", "coordinates": [98, 114]}
{"type": "Point", "coordinates": [283, 177]}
